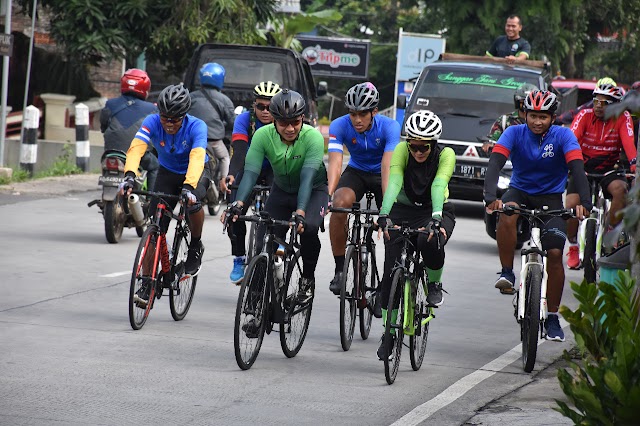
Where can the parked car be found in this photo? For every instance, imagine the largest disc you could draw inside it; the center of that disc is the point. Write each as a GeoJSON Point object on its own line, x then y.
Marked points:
{"type": "Point", "coordinates": [585, 88]}
{"type": "Point", "coordinates": [246, 66]}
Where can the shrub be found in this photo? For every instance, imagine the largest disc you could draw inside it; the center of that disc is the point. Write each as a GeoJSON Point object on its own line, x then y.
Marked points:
{"type": "Point", "coordinates": [604, 386]}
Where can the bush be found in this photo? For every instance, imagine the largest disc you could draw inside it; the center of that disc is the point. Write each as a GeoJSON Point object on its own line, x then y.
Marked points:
{"type": "Point", "coordinates": [63, 165]}
{"type": "Point", "coordinates": [604, 386]}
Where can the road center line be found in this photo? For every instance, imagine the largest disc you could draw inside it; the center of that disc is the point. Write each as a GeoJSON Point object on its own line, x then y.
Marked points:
{"type": "Point", "coordinates": [462, 386]}
{"type": "Point", "coordinates": [115, 274]}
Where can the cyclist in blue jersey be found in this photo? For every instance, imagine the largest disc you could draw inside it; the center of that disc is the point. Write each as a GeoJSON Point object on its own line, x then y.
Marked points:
{"type": "Point", "coordinates": [370, 140]}
{"type": "Point", "coordinates": [542, 154]}
{"type": "Point", "coordinates": [243, 129]}
{"type": "Point", "coordinates": [181, 142]}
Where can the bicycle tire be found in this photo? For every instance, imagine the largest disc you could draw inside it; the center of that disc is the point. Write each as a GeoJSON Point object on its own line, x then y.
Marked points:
{"type": "Point", "coordinates": [252, 302]}
{"type": "Point", "coordinates": [253, 243]}
{"type": "Point", "coordinates": [418, 342]}
{"type": "Point", "coordinates": [368, 295]}
{"type": "Point", "coordinates": [182, 287]}
{"type": "Point", "coordinates": [138, 316]}
{"type": "Point", "coordinates": [114, 219]}
{"type": "Point", "coordinates": [531, 322]}
{"type": "Point", "coordinates": [396, 294]}
{"type": "Point", "coordinates": [589, 260]}
{"type": "Point", "coordinates": [295, 319]}
{"type": "Point", "coordinates": [348, 296]}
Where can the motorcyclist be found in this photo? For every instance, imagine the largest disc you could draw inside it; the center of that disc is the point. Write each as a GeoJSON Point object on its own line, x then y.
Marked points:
{"type": "Point", "coordinates": [121, 118]}
{"type": "Point", "coordinates": [216, 109]}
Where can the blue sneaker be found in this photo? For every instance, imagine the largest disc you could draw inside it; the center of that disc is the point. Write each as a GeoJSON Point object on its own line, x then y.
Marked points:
{"type": "Point", "coordinates": [552, 326]}
{"type": "Point", "coordinates": [237, 274]}
{"type": "Point", "coordinates": [506, 281]}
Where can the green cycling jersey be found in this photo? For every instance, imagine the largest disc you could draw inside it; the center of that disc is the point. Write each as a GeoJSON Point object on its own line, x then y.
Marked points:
{"type": "Point", "coordinates": [446, 161]}
{"type": "Point", "coordinates": [297, 168]}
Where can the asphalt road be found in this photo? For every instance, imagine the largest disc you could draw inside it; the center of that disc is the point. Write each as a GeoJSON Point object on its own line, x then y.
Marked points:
{"type": "Point", "coordinates": [69, 356]}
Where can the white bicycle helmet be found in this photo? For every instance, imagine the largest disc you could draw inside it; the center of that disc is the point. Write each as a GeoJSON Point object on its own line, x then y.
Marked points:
{"type": "Point", "coordinates": [423, 125]}
{"type": "Point", "coordinates": [614, 92]}
{"type": "Point", "coordinates": [362, 97]}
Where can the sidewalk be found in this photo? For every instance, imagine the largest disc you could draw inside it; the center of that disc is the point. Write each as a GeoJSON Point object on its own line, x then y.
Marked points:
{"type": "Point", "coordinates": [530, 405]}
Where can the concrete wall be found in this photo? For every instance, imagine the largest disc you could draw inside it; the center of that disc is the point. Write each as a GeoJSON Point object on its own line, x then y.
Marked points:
{"type": "Point", "coordinates": [48, 152]}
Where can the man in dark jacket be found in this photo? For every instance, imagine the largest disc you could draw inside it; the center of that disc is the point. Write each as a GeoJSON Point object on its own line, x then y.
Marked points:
{"type": "Point", "coordinates": [122, 117]}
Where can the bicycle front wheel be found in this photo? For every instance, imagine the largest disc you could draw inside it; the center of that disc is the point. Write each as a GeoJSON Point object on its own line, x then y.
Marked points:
{"type": "Point", "coordinates": [531, 321]}
{"type": "Point", "coordinates": [348, 297]}
{"type": "Point", "coordinates": [251, 312]}
{"type": "Point", "coordinates": [368, 286]}
{"type": "Point", "coordinates": [422, 312]}
{"type": "Point", "coordinates": [253, 241]}
{"type": "Point", "coordinates": [296, 312]}
{"type": "Point", "coordinates": [143, 276]}
{"type": "Point", "coordinates": [589, 261]}
{"type": "Point", "coordinates": [182, 288]}
{"type": "Point", "coordinates": [393, 330]}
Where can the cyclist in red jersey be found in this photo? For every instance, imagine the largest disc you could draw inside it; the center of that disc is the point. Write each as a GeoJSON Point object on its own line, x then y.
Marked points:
{"type": "Point", "coordinates": [602, 142]}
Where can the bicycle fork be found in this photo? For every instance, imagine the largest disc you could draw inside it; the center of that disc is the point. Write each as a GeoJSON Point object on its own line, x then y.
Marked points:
{"type": "Point", "coordinates": [532, 257]}
{"type": "Point", "coordinates": [408, 321]}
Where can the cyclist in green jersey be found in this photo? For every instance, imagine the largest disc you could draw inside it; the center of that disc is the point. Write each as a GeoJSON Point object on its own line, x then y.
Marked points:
{"type": "Point", "coordinates": [417, 193]}
{"type": "Point", "coordinates": [295, 151]}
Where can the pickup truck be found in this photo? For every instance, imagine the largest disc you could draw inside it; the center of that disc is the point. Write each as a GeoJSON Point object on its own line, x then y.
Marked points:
{"type": "Point", "coordinates": [469, 93]}
{"type": "Point", "coordinates": [246, 66]}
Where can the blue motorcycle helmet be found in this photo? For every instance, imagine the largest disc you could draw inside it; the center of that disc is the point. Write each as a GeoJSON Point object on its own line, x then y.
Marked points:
{"type": "Point", "coordinates": [212, 74]}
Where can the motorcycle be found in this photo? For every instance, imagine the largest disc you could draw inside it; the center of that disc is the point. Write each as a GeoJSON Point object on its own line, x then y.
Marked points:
{"type": "Point", "coordinates": [117, 211]}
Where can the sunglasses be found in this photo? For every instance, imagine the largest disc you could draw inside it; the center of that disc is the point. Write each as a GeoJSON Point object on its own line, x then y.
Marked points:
{"type": "Point", "coordinates": [419, 148]}
{"type": "Point", "coordinates": [166, 119]}
{"type": "Point", "coordinates": [602, 101]}
{"type": "Point", "coordinates": [261, 107]}
{"type": "Point", "coordinates": [286, 123]}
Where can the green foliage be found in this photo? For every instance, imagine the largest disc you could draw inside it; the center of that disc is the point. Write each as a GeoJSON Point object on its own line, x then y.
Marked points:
{"type": "Point", "coordinates": [63, 165]}
{"type": "Point", "coordinates": [631, 214]}
{"type": "Point", "coordinates": [286, 27]}
{"type": "Point", "coordinates": [605, 386]}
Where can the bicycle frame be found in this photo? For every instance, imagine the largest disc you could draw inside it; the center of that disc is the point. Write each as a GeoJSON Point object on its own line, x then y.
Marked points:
{"type": "Point", "coordinates": [598, 214]}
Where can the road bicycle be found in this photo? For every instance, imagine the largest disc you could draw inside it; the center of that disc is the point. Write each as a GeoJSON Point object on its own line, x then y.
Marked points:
{"type": "Point", "coordinates": [408, 295]}
{"type": "Point", "coordinates": [259, 196]}
{"type": "Point", "coordinates": [592, 229]}
{"type": "Point", "coordinates": [530, 302]}
{"type": "Point", "coordinates": [159, 268]}
{"type": "Point", "coordinates": [360, 278]}
{"type": "Point", "coordinates": [270, 294]}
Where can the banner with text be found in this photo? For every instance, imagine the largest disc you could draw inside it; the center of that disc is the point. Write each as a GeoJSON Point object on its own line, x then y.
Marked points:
{"type": "Point", "coordinates": [415, 51]}
{"type": "Point", "coordinates": [336, 57]}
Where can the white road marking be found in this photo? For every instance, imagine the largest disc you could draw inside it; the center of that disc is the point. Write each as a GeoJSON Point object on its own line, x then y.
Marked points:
{"type": "Point", "coordinates": [462, 386]}
{"type": "Point", "coordinates": [116, 274]}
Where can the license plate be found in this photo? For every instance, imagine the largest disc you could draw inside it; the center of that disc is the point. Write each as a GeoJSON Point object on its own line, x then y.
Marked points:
{"type": "Point", "coordinates": [470, 171]}
{"type": "Point", "coordinates": [110, 180]}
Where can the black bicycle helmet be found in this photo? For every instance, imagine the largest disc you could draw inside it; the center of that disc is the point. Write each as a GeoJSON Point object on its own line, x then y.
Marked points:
{"type": "Point", "coordinates": [174, 101]}
{"type": "Point", "coordinates": [286, 105]}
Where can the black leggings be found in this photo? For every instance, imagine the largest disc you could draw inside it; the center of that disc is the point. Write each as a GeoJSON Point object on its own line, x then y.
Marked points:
{"type": "Point", "coordinates": [281, 205]}
{"type": "Point", "coordinates": [238, 233]}
{"type": "Point", "coordinates": [432, 256]}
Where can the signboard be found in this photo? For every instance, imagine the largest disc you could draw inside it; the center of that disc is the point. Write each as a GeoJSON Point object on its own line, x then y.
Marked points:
{"type": "Point", "coordinates": [6, 44]}
{"type": "Point", "coordinates": [335, 57]}
{"type": "Point", "coordinates": [415, 51]}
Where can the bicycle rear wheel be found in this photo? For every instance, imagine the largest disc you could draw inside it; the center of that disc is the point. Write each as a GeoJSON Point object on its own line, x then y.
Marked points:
{"type": "Point", "coordinates": [418, 342]}
{"type": "Point", "coordinates": [296, 315]}
{"type": "Point", "coordinates": [531, 321]}
{"type": "Point", "coordinates": [393, 332]}
{"type": "Point", "coordinates": [182, 287]}
{"type": "Point", "coordinates": [368, 284]}
{"type": "Point", "coordinates": [589, 261]}
{"type": "Point", "coordinates": [139, 276]}
{"type": "Point", "coordinates": [251, 312]}
{"type": "Point", "coordinates": [348, 297]}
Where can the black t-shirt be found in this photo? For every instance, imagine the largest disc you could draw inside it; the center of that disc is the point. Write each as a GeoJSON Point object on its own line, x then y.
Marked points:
{"type": "Point", "coordinates": [503, 47]}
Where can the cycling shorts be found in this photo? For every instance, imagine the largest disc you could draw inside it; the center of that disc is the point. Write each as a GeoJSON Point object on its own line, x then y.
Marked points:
{"type": "Point", "coordinates": [361, 182]}
{"type": "Point", "coordinates": [554, 231]}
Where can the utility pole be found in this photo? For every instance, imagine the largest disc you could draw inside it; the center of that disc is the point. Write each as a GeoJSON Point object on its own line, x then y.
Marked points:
{"type": "Point", "coordinates": [5, 80]}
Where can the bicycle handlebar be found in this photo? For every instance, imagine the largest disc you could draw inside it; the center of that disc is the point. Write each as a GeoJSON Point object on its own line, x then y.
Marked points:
{"type": "Point", "coordinates": [353, 210]}
{"type": "Point", "coordinates": [564, 213]}
{"type": "Point", "coordinates": [157, 194]}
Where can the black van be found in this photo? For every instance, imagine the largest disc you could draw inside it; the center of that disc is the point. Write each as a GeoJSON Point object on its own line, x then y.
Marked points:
{"type": "Point", "coordinates": [246, 66]}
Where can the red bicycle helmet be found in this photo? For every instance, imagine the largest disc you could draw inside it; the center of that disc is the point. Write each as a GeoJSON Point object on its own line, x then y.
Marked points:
{"type": "Point", "coordinates": [135, 82]}
{"type": "Point", "coordinates": [541, 100]}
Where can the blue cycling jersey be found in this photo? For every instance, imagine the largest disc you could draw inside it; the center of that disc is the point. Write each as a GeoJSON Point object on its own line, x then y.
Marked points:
{"type": "Point", "coordinates": [366, 149]}
{"type": "Point", "coordinates": [539, 162]}
{"type": "Point", "coordinates": [174, 150]}
{"type": "Point", "coordinates": [241, 128]}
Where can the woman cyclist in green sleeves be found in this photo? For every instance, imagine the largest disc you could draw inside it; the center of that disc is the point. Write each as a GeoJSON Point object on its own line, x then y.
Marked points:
{"type": "Point", "coordinates": [417, 193]}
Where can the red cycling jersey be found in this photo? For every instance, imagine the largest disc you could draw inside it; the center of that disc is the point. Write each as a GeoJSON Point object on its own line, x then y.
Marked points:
{"type": "Point", "coordinates": [602, 141]}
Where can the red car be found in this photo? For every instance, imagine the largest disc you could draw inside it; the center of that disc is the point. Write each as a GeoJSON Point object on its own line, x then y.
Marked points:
{"type": "Point", "coordinates": [585, 88]}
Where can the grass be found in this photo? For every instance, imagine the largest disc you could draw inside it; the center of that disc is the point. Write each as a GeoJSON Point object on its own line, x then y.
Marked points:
{"type": "Point", "coordinates": [62, 166]}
